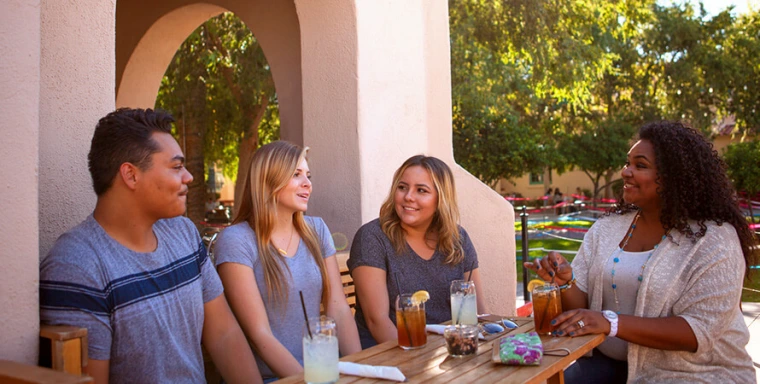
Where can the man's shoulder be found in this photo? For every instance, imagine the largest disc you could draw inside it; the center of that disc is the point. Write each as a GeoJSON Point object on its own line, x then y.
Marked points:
{"type": "Point", "coordinates": [78, 242]}
{"type": "Point", "coordinates": [177, 229]}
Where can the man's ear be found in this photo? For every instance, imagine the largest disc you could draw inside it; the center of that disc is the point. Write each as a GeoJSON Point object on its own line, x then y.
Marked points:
{"type": "Point", "coordinates": [130, 175]}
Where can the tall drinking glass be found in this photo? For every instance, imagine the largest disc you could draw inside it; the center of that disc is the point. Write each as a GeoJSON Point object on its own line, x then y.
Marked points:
{"type": "Point", "coordinates": [547, 304]}
{"type": "Point", "coordinates": [464, 304]}
{"type": "Point", "coordinates": [410, 322]}
{"type": "Point", "coordinates": [320, 351]}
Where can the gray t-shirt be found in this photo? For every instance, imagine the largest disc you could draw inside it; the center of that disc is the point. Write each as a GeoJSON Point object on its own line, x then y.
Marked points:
{"type": "Point", "coordinates": [143, 311]}
{"type": "Point", "coordinates": [371, 247]}
{"type": "Point", "coordinates": [237, 244]}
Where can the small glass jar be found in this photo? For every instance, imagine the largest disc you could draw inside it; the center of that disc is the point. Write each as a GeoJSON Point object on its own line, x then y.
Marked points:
{"type": "Point", "coordinates": [461, 340]}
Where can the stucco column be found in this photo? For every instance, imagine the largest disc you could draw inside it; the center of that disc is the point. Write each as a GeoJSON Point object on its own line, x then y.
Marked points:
{"type": "Point", "coordinates": [77, 89]}
{"type": "Point", "coordinates": [19, 129]}
{"type": "Point", "coordinates": [329, 84]}
{"type": "Point", "coordinates": [377, 77]}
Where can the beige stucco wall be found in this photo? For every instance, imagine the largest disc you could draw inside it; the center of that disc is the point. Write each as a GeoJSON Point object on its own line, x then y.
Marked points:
{"type": "Point", "coordinates": [330, 102]}
{"type": "Point", "coordinates": [566, 182]}
{"type": "Point", "coordinates": [19, 129]}
{"type": "Point", "coordinates": [141, 78]}
{"type": "Point", "coordinates": [76, 89]}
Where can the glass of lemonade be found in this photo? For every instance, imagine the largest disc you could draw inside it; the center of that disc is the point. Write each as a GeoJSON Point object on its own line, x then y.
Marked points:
{"type": "Point", "coordinates": [464, 304]}
{"type": "Point", "coordinates": [547, 304]}
{"type": "Point", "coordinates": [410, 322]}
{"type": "Point", "coordinates": [320, 351]}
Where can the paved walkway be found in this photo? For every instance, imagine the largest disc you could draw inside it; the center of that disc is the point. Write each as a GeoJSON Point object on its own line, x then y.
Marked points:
{"type": "Point", "coordinates": [751, 313]}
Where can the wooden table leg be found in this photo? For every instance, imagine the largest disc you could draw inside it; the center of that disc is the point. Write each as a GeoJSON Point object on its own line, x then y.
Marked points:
{"type": "Point", "coordinates": [557, 378]}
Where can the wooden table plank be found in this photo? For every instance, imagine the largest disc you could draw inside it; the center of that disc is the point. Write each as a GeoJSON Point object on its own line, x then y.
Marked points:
{"type": "Point", "coordinates": [432, 364]}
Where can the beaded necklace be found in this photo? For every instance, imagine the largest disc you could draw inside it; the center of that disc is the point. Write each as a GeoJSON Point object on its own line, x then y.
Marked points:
{"type": "Point", "coordinates": [616, 259]}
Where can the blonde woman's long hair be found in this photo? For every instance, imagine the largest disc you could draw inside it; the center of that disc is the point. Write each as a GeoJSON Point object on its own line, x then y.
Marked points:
{"type": "Point", "coordinates": [271, 169]}
{"type": "Point", "coordinates": [446, 217]}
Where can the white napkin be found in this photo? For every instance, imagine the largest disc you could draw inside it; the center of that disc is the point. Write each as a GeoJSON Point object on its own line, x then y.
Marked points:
{"type": "Point", "coordinates": [373, 371]}
{"type": "Point", "coordinates": [438, 328]}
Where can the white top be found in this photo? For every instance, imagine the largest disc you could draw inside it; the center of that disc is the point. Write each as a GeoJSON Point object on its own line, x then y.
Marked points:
{"type": "Point", "coordinates": [627, 281]}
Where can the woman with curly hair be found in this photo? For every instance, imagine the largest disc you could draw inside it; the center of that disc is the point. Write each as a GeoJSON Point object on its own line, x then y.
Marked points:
{"type": "Point", "coordinates": [414, 245]}
{"type": "Point", "coordinates": [661, 274]}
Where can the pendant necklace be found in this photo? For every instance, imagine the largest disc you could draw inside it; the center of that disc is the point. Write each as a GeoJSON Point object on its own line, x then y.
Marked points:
{"type": "Point", "coordinates": [620, 250]}
{"type": "Point", "coordinates": [283, 251]}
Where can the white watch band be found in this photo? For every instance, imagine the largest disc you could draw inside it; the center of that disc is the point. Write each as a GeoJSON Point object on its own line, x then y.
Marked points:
{"type": "Point", "coordinates": [613, 319]}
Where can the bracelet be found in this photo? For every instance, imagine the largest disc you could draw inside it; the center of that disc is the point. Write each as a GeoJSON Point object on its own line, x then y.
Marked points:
{"type": "Point", "coordinates": [568, 285]}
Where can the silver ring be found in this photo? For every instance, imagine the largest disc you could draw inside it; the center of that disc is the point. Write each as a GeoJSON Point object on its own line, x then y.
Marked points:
{"type": "Point", "coordinates": [581, 324]}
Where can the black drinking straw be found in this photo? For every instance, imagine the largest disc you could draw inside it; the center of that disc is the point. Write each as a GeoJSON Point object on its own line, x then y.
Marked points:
{"type": "Point", "coordinates": [403, 315]}
{"type": "Point", "coordinates": [305, 316]}
{"type": "Point", "coordinates": [461, 304]}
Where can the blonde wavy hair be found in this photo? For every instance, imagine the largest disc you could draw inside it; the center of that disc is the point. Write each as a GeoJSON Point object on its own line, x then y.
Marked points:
{"type": "Point", "coordinates": [271, 169]}
{"type": "Point", "coordinates": [446, 217]}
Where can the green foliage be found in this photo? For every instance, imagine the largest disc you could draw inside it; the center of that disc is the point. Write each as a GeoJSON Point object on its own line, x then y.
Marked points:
{"type": "Point", "coordinates": [531, 80]}
{"type": "Point", "coordinates": [599, 149]}
{"type": "Point", "coordinates": [743, 160]}
{"type": "Point", "coordinates": [224, 64]}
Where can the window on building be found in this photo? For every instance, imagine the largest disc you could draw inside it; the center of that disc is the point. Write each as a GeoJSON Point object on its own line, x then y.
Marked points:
{"type": "Point", "coordinates": [536, 178]}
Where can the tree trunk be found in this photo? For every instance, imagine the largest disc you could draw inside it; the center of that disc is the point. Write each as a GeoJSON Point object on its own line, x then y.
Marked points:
{"type": "Point", "coordinates": [248, 145]}
{"type": "Point", "coordinates": [608, 184]}
{"type": "Point", "coordinates": [547, 179]}
{"type": "Point", "coordinates": [194, 162]}
{"type": "Point", "coordinates": [193, 129]}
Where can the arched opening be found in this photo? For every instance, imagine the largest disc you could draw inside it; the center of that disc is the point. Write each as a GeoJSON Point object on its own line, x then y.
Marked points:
{"type": "Point", "coordinates": [220, 90]}
{"type": "Point", "coordinates": [148, 34]}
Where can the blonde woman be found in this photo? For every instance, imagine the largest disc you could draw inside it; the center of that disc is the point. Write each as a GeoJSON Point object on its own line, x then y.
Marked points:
{"type": "Point", "coordinates": [415, 244]}
{"type": "Point", "coordinates": [271, 252]}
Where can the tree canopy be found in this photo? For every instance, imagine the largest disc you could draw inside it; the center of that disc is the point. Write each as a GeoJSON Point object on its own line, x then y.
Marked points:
{"type": "Point", "coordinates": [220, 89]}
{"type": "Point", "coordinates": [542, 83]}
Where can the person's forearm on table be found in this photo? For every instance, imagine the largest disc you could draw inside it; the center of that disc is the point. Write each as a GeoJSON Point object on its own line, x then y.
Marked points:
{"type": "Point", "coordinates": [667, 333]}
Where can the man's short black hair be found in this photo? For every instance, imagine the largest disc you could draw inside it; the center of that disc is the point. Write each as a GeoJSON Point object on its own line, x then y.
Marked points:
{"type": "Point", "coordinates": [124, 136]}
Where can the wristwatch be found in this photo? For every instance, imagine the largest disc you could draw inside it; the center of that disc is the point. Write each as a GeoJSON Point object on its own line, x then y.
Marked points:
{"type": "Point", "coordinates": [612, 317]}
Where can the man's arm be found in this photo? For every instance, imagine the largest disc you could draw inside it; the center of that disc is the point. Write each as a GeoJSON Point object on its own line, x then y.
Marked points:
{"type": "Point", "coordinates": [227, 345]}
{"type": "Point", "coordinates": [98, 370]}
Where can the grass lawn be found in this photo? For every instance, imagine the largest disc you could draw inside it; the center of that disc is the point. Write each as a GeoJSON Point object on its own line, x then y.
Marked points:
{"type": "Point", "coordinates": [751, 294]}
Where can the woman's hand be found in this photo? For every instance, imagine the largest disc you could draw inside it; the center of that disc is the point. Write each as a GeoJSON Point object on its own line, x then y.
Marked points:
{"type": "Point", "coordinates": [579, 322]}
{"type": "Point", "coordinates": [552, 266]}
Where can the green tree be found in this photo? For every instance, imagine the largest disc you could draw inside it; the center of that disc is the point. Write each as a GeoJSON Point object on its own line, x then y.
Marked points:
{"type": "Point", "coordinates": [743, 160]}
{"type": "Point", "coordinates": [220, 89]}
{"type": "Point", "coordinates": [599, 151]}
{"type": "Point", "coordinates": [741, 58]}
{"type": "Point", "coordinates": [522, 71]}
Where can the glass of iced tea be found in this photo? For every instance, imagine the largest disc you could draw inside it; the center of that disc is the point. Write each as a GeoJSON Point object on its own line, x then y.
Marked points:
{"type": "Point", "coordinates": [410, 322]}
{"type": "Point", "coordinates": [547, 304]}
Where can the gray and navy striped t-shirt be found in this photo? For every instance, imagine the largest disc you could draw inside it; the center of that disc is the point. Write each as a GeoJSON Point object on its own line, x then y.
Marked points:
{"type": "Point", "coordinates": [143, 311]}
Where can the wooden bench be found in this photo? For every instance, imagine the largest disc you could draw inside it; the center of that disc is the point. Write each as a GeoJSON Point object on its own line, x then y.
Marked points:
{"type": "Point", "coordinates": [63, 348]}
{"type": "Point", "coordinates": [12, 372]}
{"type": "Point", "coordinates": [349, 289]}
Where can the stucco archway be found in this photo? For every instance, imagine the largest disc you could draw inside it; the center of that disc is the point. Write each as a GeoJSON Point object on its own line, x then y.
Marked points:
{"type": "Point", "coordinates": [148, 33]}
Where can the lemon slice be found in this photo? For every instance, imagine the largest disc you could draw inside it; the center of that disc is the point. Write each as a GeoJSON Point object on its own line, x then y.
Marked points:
{"type": "Point", "coordinates": [534, 283]}
{"type": "Point", "coordinates": [420, 297]}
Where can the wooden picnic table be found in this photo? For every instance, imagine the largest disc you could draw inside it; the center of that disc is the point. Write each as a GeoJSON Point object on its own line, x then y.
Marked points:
{"type": "Point", "coordinates": [432, 364]}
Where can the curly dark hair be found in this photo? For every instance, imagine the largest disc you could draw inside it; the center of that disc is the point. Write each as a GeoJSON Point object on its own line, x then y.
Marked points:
{"type": "Point", "coordinates": [693, 185]}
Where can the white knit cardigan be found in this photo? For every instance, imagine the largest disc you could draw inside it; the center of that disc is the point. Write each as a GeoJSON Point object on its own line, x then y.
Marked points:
{"type": "Point", "coordinates": [699, 281]}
